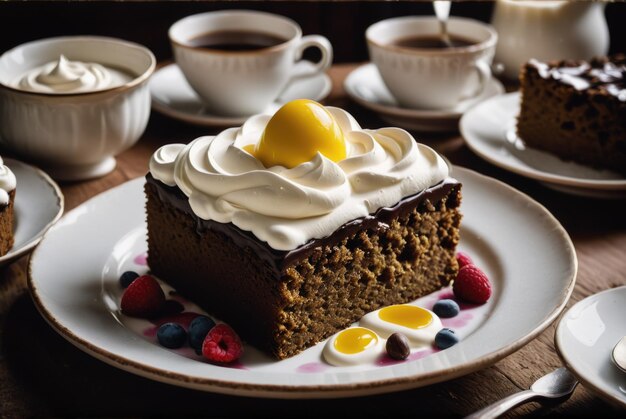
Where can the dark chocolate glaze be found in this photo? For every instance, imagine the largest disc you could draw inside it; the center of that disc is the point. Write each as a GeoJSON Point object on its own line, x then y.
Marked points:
{"type": "Point", "coordinates": [604, 74]}
{"type": "Point", "coordinates": [279, 260]}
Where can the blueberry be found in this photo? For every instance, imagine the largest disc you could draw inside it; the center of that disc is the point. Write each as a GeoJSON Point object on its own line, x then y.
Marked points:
{"type": "Point", "coordinates": [198, 330]}
{"type": "Point", "coordinates": [171, 335]}
{"type": "Point", "coordinates": [446, 308]}
{"type": "Point", "coordinates": [127, 278]}
{"type": "Point", "coordinates": [446, 338]}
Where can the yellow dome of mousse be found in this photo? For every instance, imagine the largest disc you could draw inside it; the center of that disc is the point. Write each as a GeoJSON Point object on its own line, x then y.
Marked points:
{"type": "Point", "coordinates": [297, 132]}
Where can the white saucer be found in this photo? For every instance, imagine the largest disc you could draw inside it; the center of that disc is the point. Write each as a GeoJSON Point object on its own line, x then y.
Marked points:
{"type": "Point", "coordinates": [174, 97]}
{"type": "Point", "coordinates": [585, 338]}
{"type": "Point", "coordinates": [74, 283]}
{"type": "Point", "coordinates": [38, 204]}
{"type": "Point", "coordinates": [365, 86]}
{"type": "Point", "coordinates": [489, 131]}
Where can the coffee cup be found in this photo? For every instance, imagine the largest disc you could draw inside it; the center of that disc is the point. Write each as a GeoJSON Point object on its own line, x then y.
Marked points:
{"type": "Point", "coordinates": [424, 72]}
{"type": "Point", "coordinates": [240, 61]}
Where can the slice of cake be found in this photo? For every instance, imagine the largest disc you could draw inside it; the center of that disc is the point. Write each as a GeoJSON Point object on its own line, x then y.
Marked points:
{"type": "Point", "coordinates": [7, 198]}
{"type": "Point", "coordinates": [576, 110]}
{"type": "Point", "coordinates": [294, 226]}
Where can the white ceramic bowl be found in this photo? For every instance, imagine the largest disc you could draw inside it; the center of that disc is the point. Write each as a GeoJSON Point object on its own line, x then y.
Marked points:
{"type": "Point", "coordinates": [75, 135]}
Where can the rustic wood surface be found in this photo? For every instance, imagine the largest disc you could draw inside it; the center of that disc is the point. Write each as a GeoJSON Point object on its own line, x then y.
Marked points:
{"type": "Point", "coordinates": [42, 374]}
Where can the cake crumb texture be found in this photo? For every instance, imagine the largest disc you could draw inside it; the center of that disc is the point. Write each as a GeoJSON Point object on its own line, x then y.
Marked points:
{"type": "Point", "coordinates": [6, 225]}
{"type": "Point", "coordinates": [284, 312]}
{"type": "Point", "coordinates": [587, 126]}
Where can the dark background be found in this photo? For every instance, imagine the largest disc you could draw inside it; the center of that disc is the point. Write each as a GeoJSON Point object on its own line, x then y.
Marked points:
{"type": "Point", "coordinates": [343, 23]}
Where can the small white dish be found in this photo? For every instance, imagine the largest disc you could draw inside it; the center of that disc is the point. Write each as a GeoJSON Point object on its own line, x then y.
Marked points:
{"type": "Point", "coordinates": [173, 96]}
{"type": "Point", "coordinates": [365, 86]}
{"type": "Point", "coordinates": [74, 282]}
{"type": "Point", "coordinates": [489, 131]}
{"type": "Point", "coordinates": [38, 204]}
{"type": "Point", "coordinates": [585, 338]}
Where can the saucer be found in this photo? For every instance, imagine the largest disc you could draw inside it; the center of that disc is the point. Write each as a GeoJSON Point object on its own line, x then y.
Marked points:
{"type": "Point", "coordinates": [174, 97]}
{"type": "Point", "coordinates": [38, 205]}
{"type": "Point", "coordinates": [585, 338]}
{"type": "Point", "coordinates": [489, 131]}
{"type": "Point", "coordinates": [365, 86]}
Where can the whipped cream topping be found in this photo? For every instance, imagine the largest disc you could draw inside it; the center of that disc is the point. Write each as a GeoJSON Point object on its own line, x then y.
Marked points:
{"type": "Point", "coordinates": [65, 76]}
{"type": "Point", "coordinates": [288, 207]}
{"type": "Point", "coordinates": [7, 183]}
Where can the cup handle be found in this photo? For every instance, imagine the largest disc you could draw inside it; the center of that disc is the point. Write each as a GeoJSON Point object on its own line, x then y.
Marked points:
{"type": "Point", "coordinates": [319, 42]}
{"type": "Point", "coordinates": [484, 75]}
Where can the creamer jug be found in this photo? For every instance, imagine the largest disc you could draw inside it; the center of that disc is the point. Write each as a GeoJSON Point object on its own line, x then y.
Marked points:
{"type": "Point", "coordinates": [548, 30]}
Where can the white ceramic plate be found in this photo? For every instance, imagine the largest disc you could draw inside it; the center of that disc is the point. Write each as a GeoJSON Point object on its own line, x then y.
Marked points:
{"type": "Point", "coordinates": [38, 204]}
{"type": "Point", "coordinates": [174, 97]}
{"type": "Point", "coordinates": [489, 131]}
{"type": "Point", "coordinates": [520, 245]}
{"type": "Point", "coordinates": [585, 338]}
{"type": "Point", "coordinates": [365, 86]}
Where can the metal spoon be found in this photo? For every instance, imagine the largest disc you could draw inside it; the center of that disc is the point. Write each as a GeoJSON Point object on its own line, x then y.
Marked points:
{"type": "Point", "coordinates": [559, 383]}
{"type": "Point", "coordinates": [619, 354]}
{"type": "Point", "coordinates": [442, 10]}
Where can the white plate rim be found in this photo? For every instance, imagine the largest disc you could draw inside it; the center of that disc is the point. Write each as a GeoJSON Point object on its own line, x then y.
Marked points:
{"type": "Point", "coordinates": [397, 111]}
{"type": "Point", "coordinates": [325, 391]}
{"type": "Point", "coordinates": [472, 142]}
{"type": "Point", "coordinates": [216, 120]}
{"type": "Point", "coordinates": [558, 344]}
{"type": "Point", "coordinates": [15, 253]}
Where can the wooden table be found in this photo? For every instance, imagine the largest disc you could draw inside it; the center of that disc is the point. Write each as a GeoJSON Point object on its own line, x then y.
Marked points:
{"type": "Point", "coordinates": [42, 374]}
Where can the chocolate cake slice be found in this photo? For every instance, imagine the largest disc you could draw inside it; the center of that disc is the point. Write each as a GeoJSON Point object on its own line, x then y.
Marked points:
{"type": "Point", "coordinates": [286, 301]}
{"type": "Point", "coordinates": [576, 110]}
{"type": "Point", "coordinates": [296, 224]}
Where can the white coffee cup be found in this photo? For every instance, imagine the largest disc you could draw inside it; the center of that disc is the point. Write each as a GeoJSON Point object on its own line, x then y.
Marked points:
{"type": "Point", "coordinates": [241, 83]}
{"type": "Point", "coordinates": [432, 78]}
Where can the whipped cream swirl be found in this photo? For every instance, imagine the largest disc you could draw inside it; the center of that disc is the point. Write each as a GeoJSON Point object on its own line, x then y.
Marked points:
{"type": "Point", "coordinates": [288, 207]}
{"type": "Point", "coordinates": [65, 76]}
{"type": "Point", "coordinates": [7, 183]}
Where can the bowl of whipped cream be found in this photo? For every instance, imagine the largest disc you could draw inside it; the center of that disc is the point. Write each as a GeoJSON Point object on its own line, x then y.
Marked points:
{"type": "Point", "coordinates": [71, 104]}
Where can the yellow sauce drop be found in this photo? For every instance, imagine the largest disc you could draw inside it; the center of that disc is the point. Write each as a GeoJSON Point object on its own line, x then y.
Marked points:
{"type": "Point", "coordinates": [405, 315]}
{"type": "Point", "coordinates": [354, 340]}
{"type": "Point", "coordinates": [297, 132]}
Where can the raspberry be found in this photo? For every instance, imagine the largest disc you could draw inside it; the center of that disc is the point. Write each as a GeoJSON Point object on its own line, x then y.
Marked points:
{"type": "Point", "coordinates": [463, 259]}
{"type": "Point", "coordinates": [143, 298]}
{"type": "Point", "coordinates": [472, 285]}
{"type": "Point", "coordinates": [222, 345]}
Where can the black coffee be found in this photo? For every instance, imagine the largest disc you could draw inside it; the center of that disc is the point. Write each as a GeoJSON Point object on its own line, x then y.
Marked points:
{"type": "Point", "coordinates": [432, 42]}
{"type": "Point", "coordinates": [235, 40]}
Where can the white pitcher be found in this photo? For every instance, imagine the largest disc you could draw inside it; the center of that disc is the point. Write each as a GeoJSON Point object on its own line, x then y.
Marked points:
{"type": "Point", "coordinates": [548, 30]}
